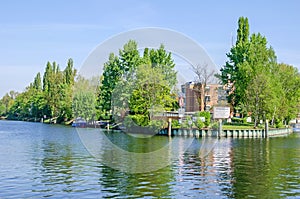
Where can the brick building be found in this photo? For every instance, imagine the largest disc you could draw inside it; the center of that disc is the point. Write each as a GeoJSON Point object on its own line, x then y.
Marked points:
{"type": "Point", "coordinates": [191, 97]}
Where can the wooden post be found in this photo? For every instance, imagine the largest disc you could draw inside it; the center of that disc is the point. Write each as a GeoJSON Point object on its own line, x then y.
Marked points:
{"type": "Point", "coordinates": [170, 127]}
{"type": "Point", "coordinates": [220, 128]}
{"type": "Point", "coordinates": [107, 125]}
{"type": "Point", "coordinates": [266, 128]}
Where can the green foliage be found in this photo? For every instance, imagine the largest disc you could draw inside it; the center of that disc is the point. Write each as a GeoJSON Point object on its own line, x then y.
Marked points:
{"type": "Point", "coordinates": [137, 120]}
{"type": "Point", "coordinates": [140, 86]}
{"type": "Point", "coordinates": [279, 123]}
{"type": "Point", "coordinates": [258, 84]}
{"type": "Point", "coordinates": [111, 76]}
{"type": "Point", "coordinates": [175, 124]}
{"type": "Point", "coordinates": [199, 123]}
{"type": "Point", "coordinates": [83, 104]}
{"type": "Point", "coordinates": [187, 122]}
{"type": "Point", "coordinates": [215, 125]}
{"type": "Point", "coordinates": [37, 83]}
{"type": "Point", "coordinates": [52, 98]}
{"type": "Point", "coordinates": [288, 91]}
{"type": "Point", "coordinates": [232, 72]}
{"type": "Point", "coordinates": [128, 122]}
{"type": "Point", "coordinates": [156, 125]}
{"type": "Point", "coordinates": [204, 114]}
{"type": "Point", "coordinates": [238, 120]}
{"type": "Point", "coordinates": [2, 109]}
{"type": "Point", "coordinates": [7, 102]}
{"type": "Point", "coordinates": [163, 61]}
{"type": "Point", "coordinates": [27, 105]}
{"type": "Point", "coordinates": [129, 58]}
{"type": "Point", "coordinates": [151, 94]}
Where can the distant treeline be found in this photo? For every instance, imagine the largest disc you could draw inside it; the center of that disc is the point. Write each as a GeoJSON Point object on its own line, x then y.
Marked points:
{"type": "Point", "coordinates": [46, 97]}
{"type": "Point", "coordinates": [62, 95]}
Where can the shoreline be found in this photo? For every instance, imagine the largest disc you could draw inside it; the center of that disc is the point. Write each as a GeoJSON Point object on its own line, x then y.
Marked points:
{"type": "Point", "coordinates": [205, 132]}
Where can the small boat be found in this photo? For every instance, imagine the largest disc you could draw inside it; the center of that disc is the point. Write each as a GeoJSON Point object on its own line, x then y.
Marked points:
{"type": "Point", "coordinates": [79, 122]}
{"type": "Point", "coordinates": [296, 128]}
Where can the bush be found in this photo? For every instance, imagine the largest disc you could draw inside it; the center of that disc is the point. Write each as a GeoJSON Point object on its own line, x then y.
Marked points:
{"type": "Point", "coordinates": [204, 114]}
{"type": "Point", "coordinates": [239, 124]}
{"type": "Point", "coordinates": [239, 120]}
{"type": "Point", "coordinates": [199, 124]}
{"type": "Point", "coordinates": [278, 123]}
{"type": "Point", "coordinates": [156, 125]}
{"type": "Point", "coordinates": [186, 122]}
{"type": "Point", "coordinates": [135, 120]}
{"type": "Point", "coordinates": [175, 124]}
{"type": "Point", "coordinates": [140, 120]}
{"type": "Point", "coordinates": [215, 125]}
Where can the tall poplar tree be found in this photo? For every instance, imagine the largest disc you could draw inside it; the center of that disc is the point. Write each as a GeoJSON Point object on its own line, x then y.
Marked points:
{"type": "Point", "coordinates": [110, 77]}
{"type": "Point", "coordinates": [37, 83]}
{"type": "Point", "coordinates": [231, 72]}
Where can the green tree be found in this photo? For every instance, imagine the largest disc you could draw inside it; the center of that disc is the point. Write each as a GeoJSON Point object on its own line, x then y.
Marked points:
{"type": "Point", "coordinates": [250, 74]}
{"type": "Point", "coordinates": [66, 88]}
{"type": "Point", "coordinates": [123, 73]}
{"type": "Point", "coordinates": [260, 97]}
{"type": "Point", "coordinates": [69, 73]}
{"type": "Point", "coordinates": [7, 101]}
{"type": "Point", "coordinates": [110, 77]}
{"type": "Point", "coordinates": [129, 58]}
{"type": "Point", "coordinates": [151, 95]}
{"type": "Point", "coordinates": [84, 99]}
{"type": "Point", "coordinates": [231, 73]}
{"type": "Point", "coordinates": [56, 88]}
{"type": "Point", "coordinates": [53, 98]}
{"type": "Point", "coordinates": [257, 88]}
{"type": "Point", "coordinates": [37, 83]}
{"type": "Point", "coordinates": [161, 59]}
{"type": "Point", "coordinates": [29, 104]}
{"type": "Point", "coordinates": [287, 79]}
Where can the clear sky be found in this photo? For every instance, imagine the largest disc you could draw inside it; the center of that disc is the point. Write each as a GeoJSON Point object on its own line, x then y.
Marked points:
{"type": "Point", "coordinates": [33, 32]}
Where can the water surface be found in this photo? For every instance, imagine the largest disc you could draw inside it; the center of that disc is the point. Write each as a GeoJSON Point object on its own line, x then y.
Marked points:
{"type": "Point", "coordinates": [39, 160]}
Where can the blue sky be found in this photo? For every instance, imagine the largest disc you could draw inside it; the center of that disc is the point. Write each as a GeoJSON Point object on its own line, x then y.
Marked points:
{"type": "Point", "coordinates": [34, 32]}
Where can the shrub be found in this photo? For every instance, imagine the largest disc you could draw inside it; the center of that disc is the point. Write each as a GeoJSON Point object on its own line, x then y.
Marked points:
{"type": "Point", "coordinates": [175, 124]}
{"type": "Point", "coordinates": [278, 123]}
{"type": "Point", "coordinates": [156, 125]}
{"type": "Point", "coordinates": [204, 114]}
{"type": "Point", "coordinates": [199, 124]}
{"type": "Point", "coordinates": [140, 120]}
{"type": "Point", "coordinates": [215, 125]}
{"type": "Point", "coordinates": [186, 122]}
{"type": "Point", "coordinates": [239, 120]}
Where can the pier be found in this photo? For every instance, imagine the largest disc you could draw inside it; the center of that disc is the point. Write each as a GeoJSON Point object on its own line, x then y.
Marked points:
{"type": "Point", "coordinates": [249, 133]}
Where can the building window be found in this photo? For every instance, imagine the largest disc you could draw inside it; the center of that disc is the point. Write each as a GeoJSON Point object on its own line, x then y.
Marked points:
{"type": "Point", "coordinates": [207, 98]}
{"type": "Point", "coordinates": [183, 89]}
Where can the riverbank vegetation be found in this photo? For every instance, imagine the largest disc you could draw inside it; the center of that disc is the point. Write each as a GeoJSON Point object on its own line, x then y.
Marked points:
{"type": "Point", "coordinates": [132, 85]}
{"type": "Point", "coordinates": [259, 86]}
{"type": "Point", "coordinates": [47, 97]}
{"type": "Point", "coordinates": [138, 85]}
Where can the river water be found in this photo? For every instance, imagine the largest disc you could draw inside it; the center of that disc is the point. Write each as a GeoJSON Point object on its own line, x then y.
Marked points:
{"type": "Point", "coordinates": [52, 161]}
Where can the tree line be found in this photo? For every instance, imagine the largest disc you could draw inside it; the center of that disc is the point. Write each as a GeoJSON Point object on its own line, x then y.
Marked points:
{"type": "Point", "coordinates": [133, 84]}
{"type": "Point", "coordinates": [48, 97]}
{"type": "Point", "coordinates": [138, 85]}
{"type": "Point", "coordinates": [259, 86]}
